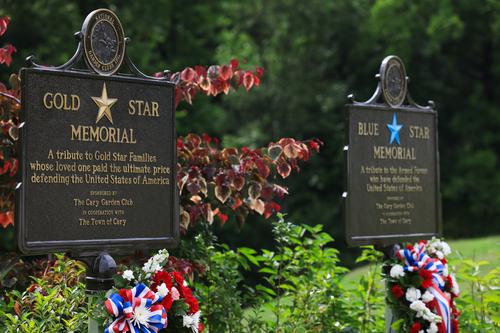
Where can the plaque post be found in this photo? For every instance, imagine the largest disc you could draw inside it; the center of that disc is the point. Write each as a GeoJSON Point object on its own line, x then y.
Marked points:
{"type": "Point", "coordinates": [389, 253]}
{"type": "Point", "coordinates": [101, 268]}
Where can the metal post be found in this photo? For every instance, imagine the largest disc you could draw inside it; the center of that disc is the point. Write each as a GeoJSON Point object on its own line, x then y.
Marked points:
{"type": "Point", "coordinates": [100, 271]}
{"type": "Point", "coordinates": [389, 253]}
{"type": "Point", "coordinates": [389, 319]}
{"type": "Point", "coordinates": [92, 325]}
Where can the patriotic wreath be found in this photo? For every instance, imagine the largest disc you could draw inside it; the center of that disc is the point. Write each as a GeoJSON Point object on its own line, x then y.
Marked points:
{"type": "Point", "coordinates": [421, 291]}
{"type": "Point", "coordinates": [167, 305]}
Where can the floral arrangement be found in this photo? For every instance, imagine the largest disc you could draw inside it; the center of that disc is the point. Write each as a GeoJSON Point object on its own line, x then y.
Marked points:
{"type": "Point", "coordinates": [421, 291]}
{"type": "Point", "coordinates": [167, 304]}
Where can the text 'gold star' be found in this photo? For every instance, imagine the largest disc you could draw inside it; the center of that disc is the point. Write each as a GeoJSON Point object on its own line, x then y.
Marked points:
{"type": "Point", "coordinates": [104, 103]}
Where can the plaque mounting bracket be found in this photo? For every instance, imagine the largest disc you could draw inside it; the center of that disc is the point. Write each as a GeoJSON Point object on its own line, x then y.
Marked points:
{"type": "Point", "coordinates": [30, 60]}
{"type": "Point", "coordinates": [392, 87]}
{"type": "Point", "coordinates": [101, 267]}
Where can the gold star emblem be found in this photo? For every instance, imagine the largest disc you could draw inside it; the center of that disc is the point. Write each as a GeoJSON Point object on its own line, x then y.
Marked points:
{"type": "Point", "coordinates": [104, 103]}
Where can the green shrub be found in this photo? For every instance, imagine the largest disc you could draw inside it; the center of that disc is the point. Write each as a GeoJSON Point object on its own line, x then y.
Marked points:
{"type": "Point", "coordinates": [221, 289]}
{"type": "Point", "coordinates": [479, 301]}
{"type": "Point", "coordinates": [366, 305]}
{"type": "Point", "coordinates": [224, 291]}
{"type": "Point", "coordinates": [55, 302]}
{"type": "Point", "coordinates": [302, 277]}
{"type": "Point", "coordinates": [303, 290]}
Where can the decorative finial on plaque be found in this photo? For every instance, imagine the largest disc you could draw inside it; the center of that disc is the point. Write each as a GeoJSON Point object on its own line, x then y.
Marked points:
{"type": "Point", "coordinates": [103, 42]}
{"type": "Point", "coordinates": [103, 45]}
{"type": "Point", "coordinates": [392, 88]}
{"type": "Point", "coordinates": [393, 81]}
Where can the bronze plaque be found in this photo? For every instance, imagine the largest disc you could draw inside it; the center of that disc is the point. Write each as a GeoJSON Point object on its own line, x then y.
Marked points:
{"type": "Point", "coordinates": [98, 161]}
{"type": "Point", "coordinates": [392, 169]}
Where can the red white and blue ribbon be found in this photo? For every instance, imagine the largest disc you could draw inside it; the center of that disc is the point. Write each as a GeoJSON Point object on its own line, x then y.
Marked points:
{"type": "Point", "coordinates": [136, 310]}
{"type": "Point", "coordinates": [416, 259]}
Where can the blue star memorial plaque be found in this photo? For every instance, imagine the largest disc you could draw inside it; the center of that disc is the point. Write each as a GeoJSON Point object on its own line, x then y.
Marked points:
{"type": "Point", "coordinates": [391, 164]}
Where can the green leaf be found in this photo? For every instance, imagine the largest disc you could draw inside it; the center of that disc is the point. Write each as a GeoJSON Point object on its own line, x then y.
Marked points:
{"type": "Point", "coordinates": [397, 324]}
{"type": "Point", "coordinates": [265, 290]}
{"type": "Point", "coordinates": [268, 270]}
{"type": "Point", "coordinates": [287, 287]}
{"type": "Point", "coordinates": [249, 254]}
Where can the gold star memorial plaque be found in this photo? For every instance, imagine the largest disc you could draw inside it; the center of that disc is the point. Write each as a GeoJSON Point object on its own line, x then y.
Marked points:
{"type": "Point", "coordinates": [97, 152]}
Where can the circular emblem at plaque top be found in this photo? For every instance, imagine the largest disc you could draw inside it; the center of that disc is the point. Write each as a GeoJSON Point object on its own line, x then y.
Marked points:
{"type": "Point", "coordinates": [103, 41]}
{"type": "Point", "coordinates": [393, 81]}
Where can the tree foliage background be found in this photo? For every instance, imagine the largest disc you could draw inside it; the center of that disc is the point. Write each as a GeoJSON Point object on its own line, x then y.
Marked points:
{"type": "Point", "coordinates": [315, 53]}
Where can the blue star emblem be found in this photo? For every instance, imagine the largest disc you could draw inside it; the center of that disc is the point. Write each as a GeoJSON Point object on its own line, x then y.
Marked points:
{"type": "Point", "coordinates": [394, 128]}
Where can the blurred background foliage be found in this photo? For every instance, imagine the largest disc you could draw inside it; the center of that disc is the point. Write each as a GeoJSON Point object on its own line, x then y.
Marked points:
{"type": "Point", "coordinates": [315, 53]}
